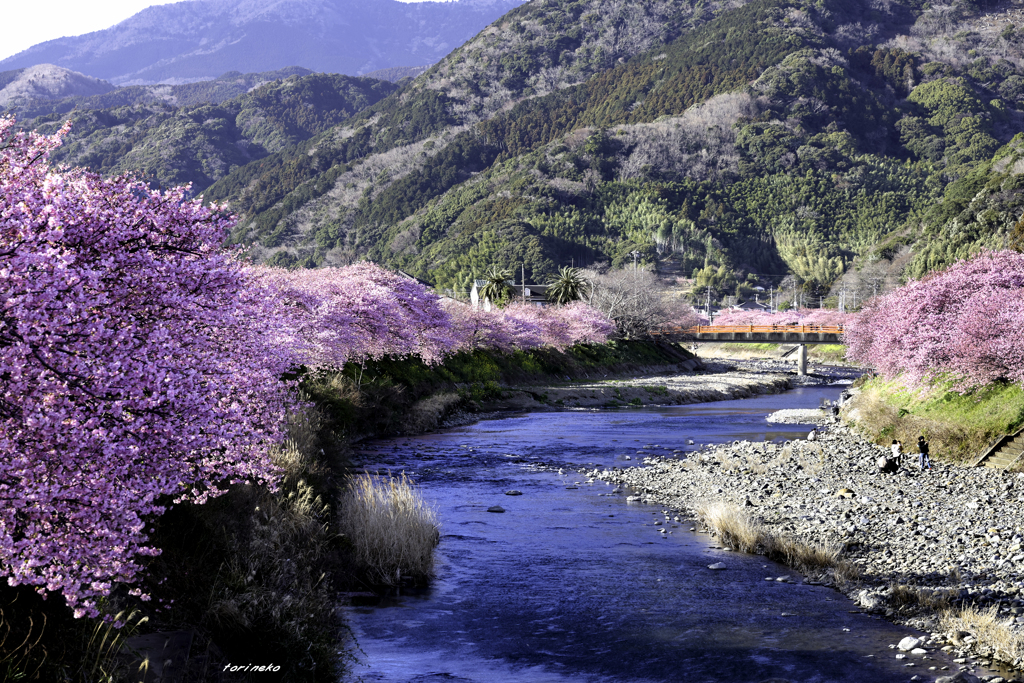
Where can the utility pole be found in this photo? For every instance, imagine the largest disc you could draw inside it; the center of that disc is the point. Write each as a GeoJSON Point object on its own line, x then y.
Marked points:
{"type": "Point", "coordinates": [524, 281]}
{"type": "Point", "coordinates": [636, 289]}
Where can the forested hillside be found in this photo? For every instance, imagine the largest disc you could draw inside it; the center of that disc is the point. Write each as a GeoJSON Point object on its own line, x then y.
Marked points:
{"type": "Point", "coordinates": [208, 135]}
{"type": "Point", "coordinates": [738, 142]}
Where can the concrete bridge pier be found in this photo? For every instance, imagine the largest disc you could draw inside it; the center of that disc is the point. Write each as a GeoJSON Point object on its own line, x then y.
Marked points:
{"type": "Point", "coordinates": [801, 359]}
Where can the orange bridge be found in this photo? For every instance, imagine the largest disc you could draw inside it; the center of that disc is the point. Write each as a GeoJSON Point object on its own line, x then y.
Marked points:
{"type": "Point", "coordinates": [801, 335]}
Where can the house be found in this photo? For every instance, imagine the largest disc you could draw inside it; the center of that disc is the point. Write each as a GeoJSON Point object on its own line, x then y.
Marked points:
{"type": "Point", "coordinates": [750, 306]}
{"type": "Point", "coordinates": [532, 294]}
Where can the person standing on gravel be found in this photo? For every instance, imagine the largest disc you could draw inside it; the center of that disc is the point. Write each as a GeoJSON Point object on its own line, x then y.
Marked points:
{"type": "Point", "coordinates": [922, 449]}
{"type": "Point", "coordinates": [897, 452]}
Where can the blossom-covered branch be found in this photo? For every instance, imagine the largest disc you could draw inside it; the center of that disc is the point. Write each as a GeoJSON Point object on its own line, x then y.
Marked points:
{"type": "Point", "coordinates": [963, 323]}
{"type": "Point", "coordinates": [133, 369]}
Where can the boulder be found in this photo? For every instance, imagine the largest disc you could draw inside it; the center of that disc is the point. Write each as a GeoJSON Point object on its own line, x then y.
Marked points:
{"type": "Point", "coordinates": [908, 643]}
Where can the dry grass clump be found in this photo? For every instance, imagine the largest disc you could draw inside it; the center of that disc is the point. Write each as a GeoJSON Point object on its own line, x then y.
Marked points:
{"type": "Point", "coordinates": [783, 456]}
{"type": "Point", "coordinates": [735, 528]}
{"type": "Point", "coordinates": [427, 413]}
{"type": "Point", "coordinates": [393, 530]}
{"type": "Point", "coordinates": [728, 462]}
{"type": "Point", "coordinates": [845, 572]}
{"type": "Point", "coordinates": [985, 625]}
{"type": "Point", "coordinates": [808, 556]}
{"type": "Point", "coordinates": [901, 595]}
{"type": "Point", "coordinates": [811, 458]}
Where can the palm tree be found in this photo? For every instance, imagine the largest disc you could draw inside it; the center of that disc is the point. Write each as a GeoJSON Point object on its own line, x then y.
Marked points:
{"type": "Point", "coordinates": [498, 286]}
{"type": "Point", "coordinates": [570, 285]}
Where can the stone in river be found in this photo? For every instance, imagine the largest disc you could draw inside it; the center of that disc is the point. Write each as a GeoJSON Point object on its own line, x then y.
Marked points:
{"type": "Point", "coordinates": [908, 643]}
{"type": "Point", "coordinates": [961, 677]}
{"type": "Point", "coordinates": [495, 508]}
{"type": "Point", "coordinates": [716, 565]}
{"type": "Point", "coordinates": [513, 492]}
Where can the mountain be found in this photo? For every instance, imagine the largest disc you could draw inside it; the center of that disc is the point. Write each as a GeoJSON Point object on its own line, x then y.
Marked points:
{"type": "Point", "coordinates": [397, 73]}
{"type": "Point", "coordinates": [46, 82]}
{"type": "Point", "coordinates": [819, 143]}
{"type": "Point", "coordinates": [199, 39]}
{"type": "Point", "coordinates": [201, 141]}
{"type": "Point", "coordinates": [35, 102]}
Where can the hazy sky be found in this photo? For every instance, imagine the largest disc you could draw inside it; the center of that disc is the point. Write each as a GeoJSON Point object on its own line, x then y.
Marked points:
{"type": "Point", "coordinates": [41, 20]}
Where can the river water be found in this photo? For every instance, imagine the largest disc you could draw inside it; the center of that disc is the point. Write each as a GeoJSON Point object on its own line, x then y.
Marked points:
{"type": "Point", "coordinates": [572, 583]}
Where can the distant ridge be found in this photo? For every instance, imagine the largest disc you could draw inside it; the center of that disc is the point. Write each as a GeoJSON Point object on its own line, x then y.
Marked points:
{"type": "Point", "coordinates": [199, 39]}
{"type": "Point", "coordinates": [224, 87]}
{"type": "Point", "coordinates": [397, 73]}
{"type": "Point", "coordinates": [47, 82]}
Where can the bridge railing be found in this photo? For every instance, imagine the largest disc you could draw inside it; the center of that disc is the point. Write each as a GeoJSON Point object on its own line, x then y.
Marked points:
{"type": "Point", "coordinates": [712, 329]}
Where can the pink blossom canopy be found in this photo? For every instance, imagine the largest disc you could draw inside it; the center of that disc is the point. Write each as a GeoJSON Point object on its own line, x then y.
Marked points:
{"type": "Point", "coordinates": [132, 369]}
{"type": "Point", "coordinates": [965, 323]}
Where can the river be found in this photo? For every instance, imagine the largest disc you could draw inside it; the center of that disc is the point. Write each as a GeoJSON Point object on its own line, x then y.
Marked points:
{"type": "Point", "coordinates": [572, 583]}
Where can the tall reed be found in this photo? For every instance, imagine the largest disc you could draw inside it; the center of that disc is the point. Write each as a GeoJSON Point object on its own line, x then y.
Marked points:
{"type": "Point", "coordinates": [394, 532]}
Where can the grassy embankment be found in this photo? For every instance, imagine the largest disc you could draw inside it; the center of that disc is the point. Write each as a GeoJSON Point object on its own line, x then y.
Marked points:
{"type": "Point", "coordinates": [957, 426]}
{"type": "Point", "coordinates": [409, 396]}
{"type": "Point", "coordinates": [253, 574]}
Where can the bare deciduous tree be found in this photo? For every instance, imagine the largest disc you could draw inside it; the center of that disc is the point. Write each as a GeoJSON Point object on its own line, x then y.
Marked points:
{"type": "Point", "coordinates": [636, 301]}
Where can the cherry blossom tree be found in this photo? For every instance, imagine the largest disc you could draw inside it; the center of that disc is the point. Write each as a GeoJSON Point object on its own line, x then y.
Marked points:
{"type": "Point", "coordinates": [963, 323]}
{"type": "Point", "coordinates": [521, 326]}
{"type": "Point", "coordinates": [137, 368]}
{"type": "Point", "coordinates": [358, 312]}
{"type": "Point", "coordinates": [802, 316]}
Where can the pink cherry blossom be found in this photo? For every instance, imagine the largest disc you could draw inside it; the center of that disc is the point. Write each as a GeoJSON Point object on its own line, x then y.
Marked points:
{"type": "Point", "coordinates": [357, 312]}
{"type": "Point", "coordinates": [827, 317]}
{"type": "Point", "coordinates": [965, 323]}
{"type": "Point", "coordinates": [134, 369]}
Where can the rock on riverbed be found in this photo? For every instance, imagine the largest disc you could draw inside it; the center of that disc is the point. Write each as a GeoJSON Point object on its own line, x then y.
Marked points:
{"type": "Point", "coordinates": [922, 540]}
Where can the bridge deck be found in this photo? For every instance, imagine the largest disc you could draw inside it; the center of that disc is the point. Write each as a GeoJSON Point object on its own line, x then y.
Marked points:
{"type": "Point", "coordinates": [758, 334]}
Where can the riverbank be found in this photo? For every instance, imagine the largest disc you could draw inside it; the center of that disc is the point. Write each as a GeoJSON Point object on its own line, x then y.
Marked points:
{"type": "Point", "coordinates": [925, 542]}
{"type": "Point", "coordinates": [956, 425]}
{"type": "Point", "coordinates": [693, 382]}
